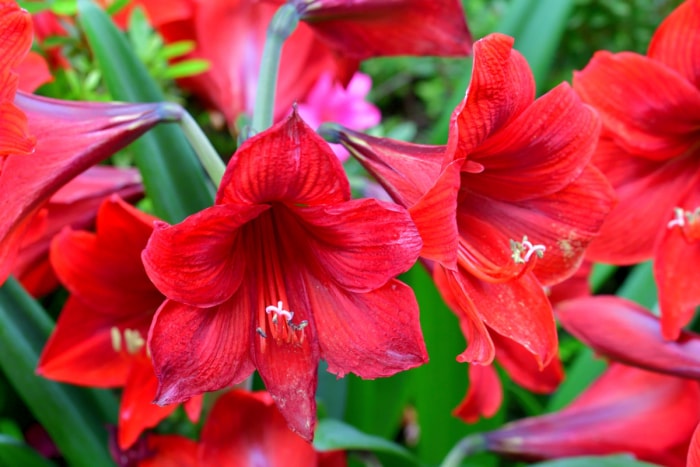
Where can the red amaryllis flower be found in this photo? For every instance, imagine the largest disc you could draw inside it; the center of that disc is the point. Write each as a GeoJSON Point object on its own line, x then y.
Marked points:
{"type": "Point", "coordinates": [507, 207]}
{"type": "Point", "coordinates": [283, 270]}
{"type": "Point", "coordinates": [332, 39]}
{"type": "Point", "coordinates": [74, 205]}
{"type": "Point", "coordinates": [100, 336]}
{"type": "Point", "coordinates": [694, 449]}
{"type": "Point", "coordinates": [626, 332]}
{"type": "Point", "coordinates": [15, 41]}
{"type": "Point", "coordinates": [626, 410]}
{"type": "Point", "coordinates": [246, 429]}
{"type": "Point", "coordinates": [71, 137]}
{"type": "Point", "coordinates": [650, 108]}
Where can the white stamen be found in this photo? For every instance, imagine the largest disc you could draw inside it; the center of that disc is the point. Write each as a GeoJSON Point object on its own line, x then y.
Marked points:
{"type": "Point", "coordinates": [279, 310]}
{"type": "Point", "coordinates": [116, 338]}
{"type": "Point", "coordinates": [133, 340]}
{"type": "Point", "coordinates": [678, 220]}
{"type": "Point", "coordinates": [537, 249]}
{"type": "Point", "coordinates": [526, 247]}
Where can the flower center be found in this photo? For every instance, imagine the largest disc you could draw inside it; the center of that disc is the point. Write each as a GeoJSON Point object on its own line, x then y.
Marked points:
{"type": "Point", "coordinates": [131, 340]}
{"type": "Point", "coordinates": [283, 330]}
{"type": "Point", "coordinates": [523, 251]}
{"type": "Point", "coordinates": [687, 221]}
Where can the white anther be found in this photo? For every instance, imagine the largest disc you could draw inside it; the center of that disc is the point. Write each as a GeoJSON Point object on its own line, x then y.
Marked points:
{"type": "Point", "coordinates": [537, 249]}
{"type": "Point", "coordinates": [678, 220]}
{"type": "Point", "coordinates": [279, 310]}
{"type": "Point", "coordinates": [116, 338]}
{"type": "Point", "coordinates": [526, 247]}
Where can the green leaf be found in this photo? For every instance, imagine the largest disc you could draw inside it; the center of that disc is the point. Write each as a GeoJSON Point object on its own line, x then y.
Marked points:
{"type": "Point", "coordinates": [187, 68]}
{"type": "Point", "coordinates": [334, 435]}
{"type": "Point", "coordinates": [71, 415]}
{"type": "Point", "coordinates": [177, 49]}
{"type": "Point", "coordinates": [172, 175]}
{"type": "Point", "coordinates": [598, 461]}
{"type": "Point", "coordinates": [116, 6]}
{"type": "Point", "coordinates": [13, 452]}
{"type": "Point", "coordinates": [64, 7]}
{"type": "Point", "coordinates": [640, 285]}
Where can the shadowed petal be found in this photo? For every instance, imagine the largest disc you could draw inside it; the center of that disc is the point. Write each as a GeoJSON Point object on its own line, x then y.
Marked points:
{"type": "Point", "coordinates": [501, 87]}
{"type": "Point", "coordinates": [625, 331]}
{"type": "Point", "coordinates": [372, 335]}
{"type": "Point", "coordinates": [676, 42]}
{"type": "Point", "coordinates": [694, 450]}
{"type": "Point", "coordinates": [199, 261]}
{"type": "Point", "coordinates": [484, 396]}
{"type": "Point", "coordinates": [196, 350]}
{"type": "Point", "coordinates": [651, 110]}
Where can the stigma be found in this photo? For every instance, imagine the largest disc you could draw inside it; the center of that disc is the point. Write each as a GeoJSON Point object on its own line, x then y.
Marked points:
{"type": "Point", "coordinates": [287, 330]}
{"type": "Point", "coordinates": [523, 250]}
{"type": "Point", "coordinates": [681, 217]}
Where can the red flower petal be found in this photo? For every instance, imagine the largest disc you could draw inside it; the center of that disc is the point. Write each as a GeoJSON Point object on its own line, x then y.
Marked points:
{"type": "Point", "coordinates": [170, 451]}
{"type": "Point", "coordinates": [196, 350]}
{"type": "Point", "coordinates": [694, 450]}
{"type": "Point", "coordinates": [370, 28]}
{"type": "Point", "coordinates": [288, 163]}
{"type": "Point", "coordinates": [539, 152]}
{"type": "Point", "coordinates": [624, 331]}
{"type": "Point", "coordinates": [651, 110]}
{"type": "Point", "coordinates": [501, 88]}
{"type": "Point", "coordinates": [523, 368]}
{"type": "Point", "coordinates": [361, 244]}
{"type": "Point", "coordinates": [196, 261]}
{"type": "Point", "coordinates": [33, 72]}
{"type": "Point", "coordinates": [647, 193]}
{"type": "Point", "coordinates": [676, 42]}
{"type": "Point", "coordinates": [245, 430]}
{"type": "Point", "coordinates": [372, 335]}
{"type": "Point", "coordinates": [675, 266]}
{"type": "Point", "coordinates": [81, 351]}
{"type": "Point", "coordinates": [484, 396]}
{"type": "Point", "coordinates": [137, 411]}
{"type": "Point", "coordinates": [15, 35]}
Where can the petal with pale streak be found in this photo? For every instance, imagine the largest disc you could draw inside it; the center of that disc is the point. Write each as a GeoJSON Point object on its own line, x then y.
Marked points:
{"type": "Point", "coordinates": [196, 350]}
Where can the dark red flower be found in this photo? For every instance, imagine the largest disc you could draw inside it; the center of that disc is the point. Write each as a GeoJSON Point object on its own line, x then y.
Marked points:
{"type": "Point", "coordinates": [650, 108]}
{"type": "Point", "coordinates": [74, 205]}
{"type": "Point", "coordinates": [100, 336]}
{"type": "Point", "coordinates": [247, 429]}
{"type": "Point", "coordinates": [283, 270]}
{"type": "Point", "coordinates": [71, 137]}
{"type": "Point", "coordinates": [15, 41]}
{"type": "Point", "coordinates": [624, 331]}
{"type": "Point", "coordinates": [626, 410]}
{"type": "Point", "coordinates": [508, 206]}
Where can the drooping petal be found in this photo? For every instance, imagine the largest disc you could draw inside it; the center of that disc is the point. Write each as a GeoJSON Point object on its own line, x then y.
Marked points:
{"type": "Point", "coordinates": [288, 163]}
{"type": "Point", "coordinates": [676, 42]}
{"type": "Point", "coordinates": [647, 192]}
{"type": "Point", "coordinates": [675, 265]}
{"type": "Point", "coordinates": [523, 368]}
{"type": "Point", "coordinates": [195, 350]}
{"type": "Point", "coordinates": [484, 396]}
{"type": "Point", "coordinates": [649, 109]}
{"type": "Point", "coordinates": [81, 349]}
{"type": "Point", "coordinates": [624, 331]}
{"type": "Point", "coordinates": [372, 335]}
{"type": "Point", "coordinates": [99, 268]}
{"type": "Point", "coordinates": [33, 72]}
{"type": "Point", "coordinates": [137, 412]}
{"type": "Point", "coordinates": [361, 244]}
{"type": "Point", "coordinates": [501, 87]}
{"type": "Point", "coordinates": [200, 261]}
{"type": "Point", "coordinates": [246, 429]}
{"type": "Point", "coordinates": [370, 28]}
{"type": "Point", "coordinates": [626, 410]}
{"type": "Point", "coordinates": [539, 152]}
{"type": "Point", "coordinates": [71, 137]}
{"type": "Point", "coordinates": [169, 451]}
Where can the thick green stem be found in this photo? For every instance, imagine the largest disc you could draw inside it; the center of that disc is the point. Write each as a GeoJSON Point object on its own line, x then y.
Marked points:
{"type": "Point", "coordinates": [206, 153]}
{"type": "Point", "coordinates": [282, 25]}
{"type": "Point", "coordinates": [472, 444]}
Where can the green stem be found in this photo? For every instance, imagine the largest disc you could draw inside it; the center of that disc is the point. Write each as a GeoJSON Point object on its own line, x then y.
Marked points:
{"type": "Point", "coordinates": [281, 26]}
{"type": "Point", "coordinates": [472, 444]}
{"type": "Point", "coordinates": [206, 153]}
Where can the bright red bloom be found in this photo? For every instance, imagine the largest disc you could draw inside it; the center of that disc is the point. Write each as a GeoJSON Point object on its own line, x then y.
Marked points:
{"type": "Point", "coordinates": [626, 410]}
{"type": "Point", "coordinates": [508, 207]}
{"type": "Point", "coordinates": [694, 449]}
{"type": "Point", "coordinates": [626, 332]}
{"type": "Point", "coordinates": [247, 429]}
{"type": "Point", "coordinates": [99, 339]}
{"type": "Point", "coordinates": [332, 40]}
{"type": "Point", "coordinates": [74, 205]}
{"type": "Point", "coordinates": [71, 137]}
{"type": "Point", "coordinates": [283, 237]}
{"type": "Point", "coordinates": [650, 107]}
{"type": "Point", "coordinates": [15, 41]}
